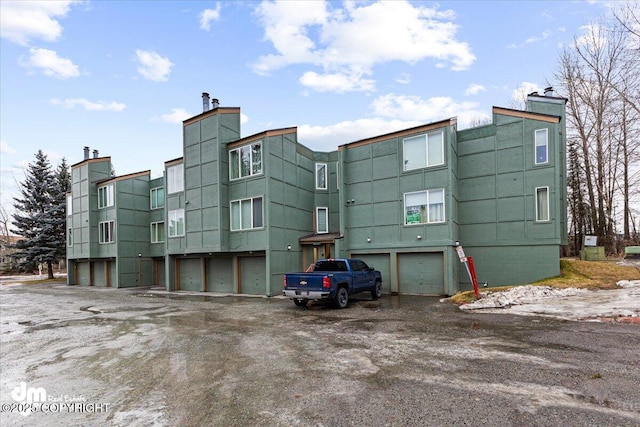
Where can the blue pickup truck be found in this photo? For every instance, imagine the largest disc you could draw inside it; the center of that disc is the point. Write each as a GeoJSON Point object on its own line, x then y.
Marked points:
{"type": "Point", "coordinates": [333, 280]}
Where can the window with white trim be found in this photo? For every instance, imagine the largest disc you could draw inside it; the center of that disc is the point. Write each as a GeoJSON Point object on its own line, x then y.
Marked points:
{"type": "Point", "coordinates": [106, 231]}
{"type": "Point", "coordinates": [424, 207]}
{"type": "Point", "coordinates": [542, 204]}
{"type": "Point", "coordinates": [245, 161]}
{"type": "Point", "coordinates": [157, 232]}
{"type": "Point", "coordinates": [175, 178]}
{"type": "Point", "coordinates": [157, 197]}
{"type": "Point", "coordinates": [246, 214]}
{"type": "Point", "coordinates": [105, 196]}
{"type": "Point", "coordinates": [69, 204]}
{"type": "Point", "coordinates": [70, 236]}
{"type": "Point", "coordinates": [338, 175]}
{"type": "Point", "coordinates": [322, 220]}
{"type": "Point", "coordinates": [423, 150]}
{"type": "Point", "coordinates": [542, 146]}
{"type": "Point", "coordinates": [321, 176]}
{"type": "Point", "coordinates": [176, 222]}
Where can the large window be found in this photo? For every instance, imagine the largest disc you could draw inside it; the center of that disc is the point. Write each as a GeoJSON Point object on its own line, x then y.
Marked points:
{"type": "Point", "coordinates": [175, 178]}
{"type": "Point", "coordinates": [246, 214]}
{"type": "Point", "coordinates": [321, 176]}
{"type": "Point", "coordinates": [542, 146]}
{"type": "Point", "coordinates": [424, 207]}
{"type": "Point", "coordinates": [157, 232]}
{"type": "Point", "coordinates": [322, 220]}
{"type": "Point", "coordinates": [106, 231]}
{"type": "Point", "coordinates": [157, 198]}
{"type": "Point", "coordinates": [423, 151]}
{"type": "Point", "coordinates": [105, 196]}
{"type": "Point", "coordinates": [69, 204]}
{"type": "Point", "coordinates": [70, 236]}
{"type": "Point", "coordinates": [176, 223]}
{"type": "Point", "coordinates": [245, 161]}
{"type": "Point", "coordinates": [542, 204]}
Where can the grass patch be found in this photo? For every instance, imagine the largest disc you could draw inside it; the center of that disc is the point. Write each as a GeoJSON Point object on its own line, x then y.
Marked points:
{"type": "Point", "coordinates": [35, 281]}
{"type": "Point", "coordinates": [573, 274]}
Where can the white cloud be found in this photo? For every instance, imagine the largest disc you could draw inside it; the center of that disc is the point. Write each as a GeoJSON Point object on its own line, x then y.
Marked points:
{"type": "Point", "coordinates": [474, 89]}
{"type": "Point", "coordinates": [5, 148]}
{"type": "Point", "coordinates": [50, 64]}
{"type": "Point", "coordinates": [404, 79]}
{"type": "Point", "coordinates": [177, 115]}
{"type": "Point", "coordinates": [544, 35]}
{"type": "Point", "coordinates": [70, 103]}
{"type": "Point", "coordinates": [152, 66]}
{"type": "Point", "coordinates": [21, 21]}
{"type": "Point", "coordinates": [336, 82]}
{"type": "Point", "coordinates": [352, 40]}
{"type": "Point", "coordinates": [244, 119]}
{"type": "Point", "coordinates": [208, 15]}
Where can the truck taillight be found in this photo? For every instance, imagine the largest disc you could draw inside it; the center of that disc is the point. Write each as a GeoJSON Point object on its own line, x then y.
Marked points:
{"type": "Point", "coordinates": [326, 282]}
{"type": "Point", "coordinates": [284, 282]}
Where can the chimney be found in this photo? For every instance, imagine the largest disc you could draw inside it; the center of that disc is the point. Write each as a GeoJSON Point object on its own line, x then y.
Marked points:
{"type": "Point", "coordinates": [215, 103]}
{"type": "Point", "coordinates": [205, 102]}
{"type": "Point", "coordinates": [548, 91]}
{"type": "Point", "coordinates": [95, 154]}
{"type": "Point", "coordinates": [86, 153]}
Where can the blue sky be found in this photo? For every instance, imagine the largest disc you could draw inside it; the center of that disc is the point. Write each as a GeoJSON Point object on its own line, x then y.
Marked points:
{"type": "Point", "coordinates": [120, 76]}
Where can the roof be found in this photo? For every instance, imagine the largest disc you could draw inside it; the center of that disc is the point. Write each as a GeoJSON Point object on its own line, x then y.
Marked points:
{"type": "Point", "coordinates": [319, 238]}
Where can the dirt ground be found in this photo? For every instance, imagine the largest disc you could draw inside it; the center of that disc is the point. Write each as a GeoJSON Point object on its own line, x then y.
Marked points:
{"type": "Point", "coordinates": [142, 357]}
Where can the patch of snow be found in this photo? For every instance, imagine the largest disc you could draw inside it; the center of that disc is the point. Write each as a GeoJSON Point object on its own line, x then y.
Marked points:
{"type": "Point", "coordinates": [628, 283]}
{"type": "Point", "coordinates": [519, 295]}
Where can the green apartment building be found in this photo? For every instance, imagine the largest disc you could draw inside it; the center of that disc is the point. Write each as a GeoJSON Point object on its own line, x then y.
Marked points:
{"type": "Point", "coordinates": [234, 214]}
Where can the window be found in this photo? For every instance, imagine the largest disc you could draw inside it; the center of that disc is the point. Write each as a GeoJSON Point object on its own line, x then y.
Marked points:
{"type": "Point", "coordinates": [542, 146]}
{"type": "Point", "coordinates": [338, 175]}
{"type": "Point", "coordinates": [69, 204]}
{"type": "Point", "coordinates": [423, 151]}
{"type": "Point", "coordinates": [322, 220]}
{"type": "Point", "coordinates": [321, 176]}
{"type": "Point", "coordinates": [70, 236]}
{"type": "Point", "coordinates": [157, 232]}
{"type": "Point", "coordinates": [106, 230]}
{"type": "Point", "coordinates": [175, 178]}
{"type": "Point", "coordinates": [542, 204]}
{"type": "Point", "coordinates": [157, 197]}
{"type": "Point", "coordinates": [245, 161]}
{"type": "Point", "coordinates": [176, 223]}
{"type": "Point", "coordinates": [105, 196]}
{"type": "Point", "coordinates": [246, 214]}
{"type": "Point", "coordinates": [424, 207]}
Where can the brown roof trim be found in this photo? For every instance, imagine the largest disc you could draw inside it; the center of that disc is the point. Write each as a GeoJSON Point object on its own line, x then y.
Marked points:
{"type": "Point", "coordinates": [526, 115]}
{"type": "Point", "coordinates": [173, 162]}
{"type": "Point", "coordinates": [94, 160]}
{"type": "Point", "coordinates": [319, 238]}
{"type": "Point", "coordinates": [123, 177]}
{"type": "Point", "coordinates": [422, 128]}
{"type": "Point", "coordinates": [219, 110]}
{"type": "Point", "coordinates": [264, 134]}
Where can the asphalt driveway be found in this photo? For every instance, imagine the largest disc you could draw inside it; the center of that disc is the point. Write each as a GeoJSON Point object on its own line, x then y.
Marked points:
{"type": "Point", "coordinates": [145, 358]}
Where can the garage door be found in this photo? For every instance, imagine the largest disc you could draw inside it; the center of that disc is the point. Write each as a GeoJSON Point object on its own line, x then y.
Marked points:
{"type": "Point", "coordinates": [220, 275]}
{"type": "Point", "coordinates": [100, 273]}
{"type": "Point", "coordinates": [159, 277]}
{"type": "Point", "coordinates": [421, 273]}
{"type": "Point", "coordinates": [252, 275]}
{"type": "Point", "coordinates": [190, 279]}
{"type": "Point", "coordinates": [381, 263]}
{"type": "Point", "coordinates": [83, 273]}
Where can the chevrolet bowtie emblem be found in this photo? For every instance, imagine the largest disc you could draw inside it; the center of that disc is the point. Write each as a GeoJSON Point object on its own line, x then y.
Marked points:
{"type": "Point", "coordinates": [303, 282]}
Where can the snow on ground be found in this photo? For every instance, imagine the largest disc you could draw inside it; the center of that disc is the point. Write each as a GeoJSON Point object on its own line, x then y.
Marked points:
{"type": "Point", "coordinates": [569, 303]}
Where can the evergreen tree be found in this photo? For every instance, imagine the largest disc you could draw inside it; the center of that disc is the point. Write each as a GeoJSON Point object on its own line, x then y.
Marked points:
{"type": "Point", "coordinates": [33, 218]}
{"type": "Point", "coordinates": [58, 214]}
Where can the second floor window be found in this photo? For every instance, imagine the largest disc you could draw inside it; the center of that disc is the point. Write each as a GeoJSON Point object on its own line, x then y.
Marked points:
{"type": "Point", "coordinates": [69, 204]}
{"type": "Point", "coordinates": [321, 176]}
{"type": "Point", "coordinates": [246, 214]}
{"type": "Point", "coordinates": [175, 178]}
{"type": "Point", "coordinates": [106, 231]}
{"type": "Point", "coordinates": [176, 223]}
{"type": "Point", "coordinates": [157, 232]}
{"type": "Point", "coordinates": [245, 161]}
{"type": "Point", "coordinates": [157, 198]}
{"type": "Point", "coordinates": [424, 207]}
{"type": "Point", "coordinates": [423, 150]}
{"type": "Point", "coordinates": [542, 204]}
{"type": "Point", "coordinates": [105, 196]}
{"type": "Point", "coordinates": [322, 220]}
{"type": "Point", "coordinates": [70, 237]}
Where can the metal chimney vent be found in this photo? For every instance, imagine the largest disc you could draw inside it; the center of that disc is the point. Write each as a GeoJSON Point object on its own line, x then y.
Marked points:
{"type": "Point", "coordinates": [86, 153]}
{"type": "Point", "coordinates": [205, 102]}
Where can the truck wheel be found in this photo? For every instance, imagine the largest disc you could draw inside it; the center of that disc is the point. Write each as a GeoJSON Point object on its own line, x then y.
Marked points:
{"type": "Point", "coordinates": [377, 291]}
{"type": "Point", "coordinates": [342, 298]}
{"type": "Point", "coordinates": [300, 302]}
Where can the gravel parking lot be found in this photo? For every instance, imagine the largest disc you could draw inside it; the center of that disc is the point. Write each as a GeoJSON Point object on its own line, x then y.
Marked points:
{"type": "Point", "coordinates": [148, 358]}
